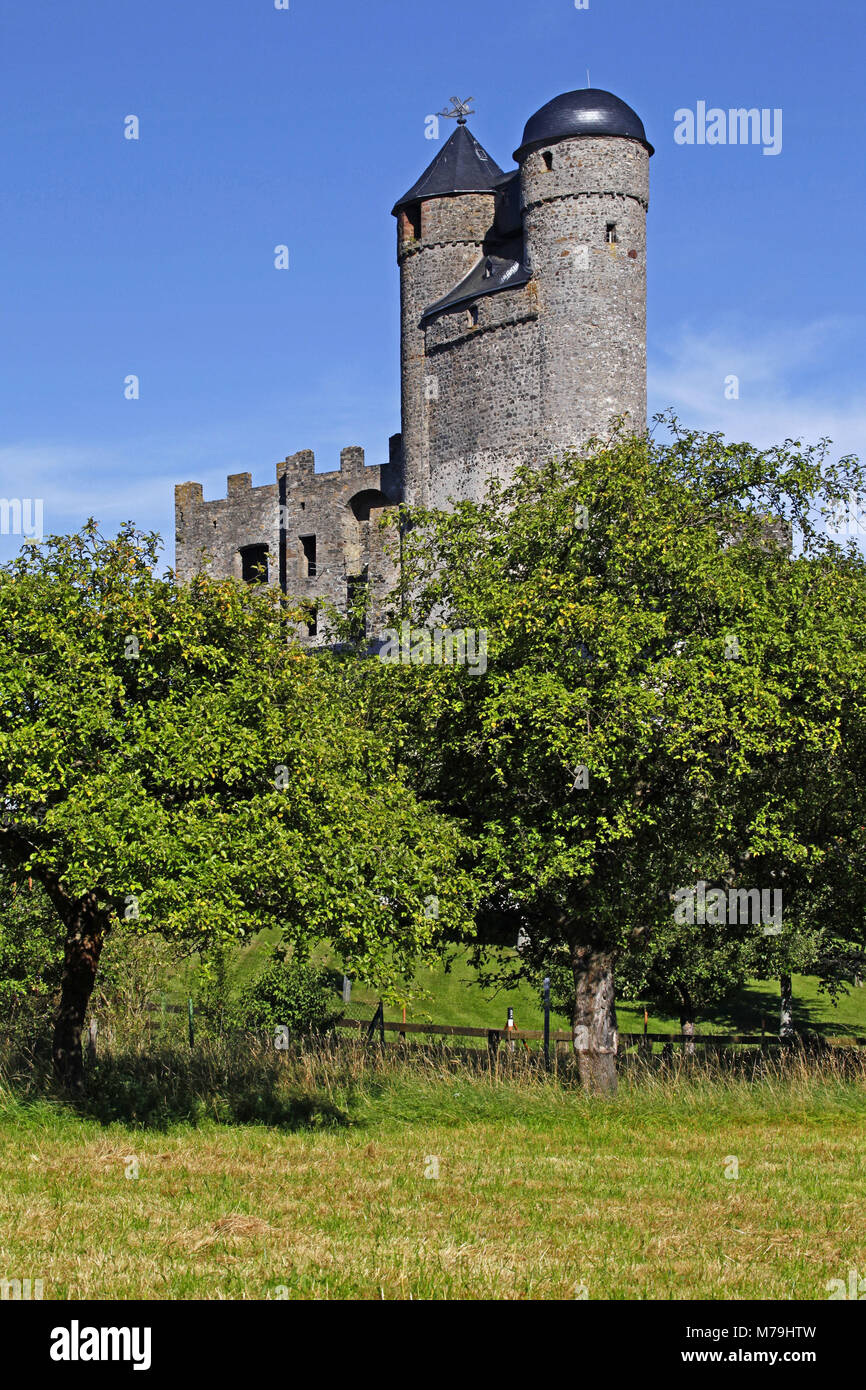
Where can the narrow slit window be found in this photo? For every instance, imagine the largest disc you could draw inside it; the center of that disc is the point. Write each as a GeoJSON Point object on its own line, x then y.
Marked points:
{"type": "Point", "coordinates": [413, 221]}
{"type": "Point", "coordinates": [548, 159]}
{"type": "Point", "coordinates": [313, 621]}
{"type": "Point", "coordinates": [472, 315]}
{"type": "Point", "coordinates": [610, 235]}
{"type": "Point", "coordinates": [308, 544]}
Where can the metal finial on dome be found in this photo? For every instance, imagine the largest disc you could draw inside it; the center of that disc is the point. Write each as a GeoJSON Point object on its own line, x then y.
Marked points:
{"type": "Point", "coordinates": [461, 109]}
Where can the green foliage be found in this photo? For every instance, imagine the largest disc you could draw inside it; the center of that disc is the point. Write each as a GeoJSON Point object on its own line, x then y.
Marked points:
{"type": "Point", "coordinates": [290, 993]}
{"type": "Point", "coordinates": [171, 759]}
{"type": "Point", "coordinates": [31, 956]}
{"type": "Point", "coordinates": [648, 621]}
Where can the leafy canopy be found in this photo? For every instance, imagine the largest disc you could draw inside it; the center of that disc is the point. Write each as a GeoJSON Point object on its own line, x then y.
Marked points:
{"type": "Point", "coordinates": [650, 623]}
{"type": "Point", "coordinates": [172, 751]}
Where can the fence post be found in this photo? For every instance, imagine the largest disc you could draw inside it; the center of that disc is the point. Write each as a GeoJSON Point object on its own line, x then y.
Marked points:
{"type": "Point", "coordinates": [546, 988]}
{"type": "Point", "coordinates": [645, 1046]}
{"type": "Point", "coordinates": [493, 1040]}
{"type": "Point", "coordinates": [509, 1030]}
{"type": "Point", "coordinates": [378, 1017]}
{"type": "Point", "coordinates": [191, 1017]}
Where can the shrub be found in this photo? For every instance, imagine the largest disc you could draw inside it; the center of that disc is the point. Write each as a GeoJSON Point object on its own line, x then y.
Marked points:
{"type": "Point", "coordinates": [288, 993]}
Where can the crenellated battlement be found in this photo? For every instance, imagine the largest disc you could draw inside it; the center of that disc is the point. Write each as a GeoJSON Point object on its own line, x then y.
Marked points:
{"type": "Point", "coordinates": [308, 532]}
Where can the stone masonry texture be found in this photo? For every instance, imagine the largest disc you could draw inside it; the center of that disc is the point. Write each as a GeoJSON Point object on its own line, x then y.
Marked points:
{"type": "Point", "coordinates": [506, 378]}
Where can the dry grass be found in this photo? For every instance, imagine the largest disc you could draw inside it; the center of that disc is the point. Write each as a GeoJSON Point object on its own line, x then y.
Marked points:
{"type": "Point", "coordinates": [541, 1191]}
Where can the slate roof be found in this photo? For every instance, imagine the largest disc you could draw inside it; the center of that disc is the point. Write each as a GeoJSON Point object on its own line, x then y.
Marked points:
{"type": "Point", "coordinates": [461, 166]}
{"type": "Point", "coordinates": [503, 270]}
{"type": "Point", "coordinates": [589, 111]}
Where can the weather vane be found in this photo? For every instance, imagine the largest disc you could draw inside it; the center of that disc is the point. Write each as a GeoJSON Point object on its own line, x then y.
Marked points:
{"type": "Point", "coordinates": [461, 109]}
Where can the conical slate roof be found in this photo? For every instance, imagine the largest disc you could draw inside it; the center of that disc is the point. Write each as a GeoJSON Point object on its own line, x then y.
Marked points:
{"type": "Point", "coordinates": [461, 166]}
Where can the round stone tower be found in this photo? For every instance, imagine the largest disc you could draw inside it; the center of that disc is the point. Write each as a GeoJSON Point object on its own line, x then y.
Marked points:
{"type": "Point", "coordinates": [441, 225]}
{"type": "Point", "coordinates": [584, 180]}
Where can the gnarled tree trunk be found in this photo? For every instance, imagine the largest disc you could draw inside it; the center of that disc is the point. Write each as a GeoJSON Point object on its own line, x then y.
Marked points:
{"type": "Point", "coordinates": [86, 925]}
{"type": "Point", "coordinates": [595, 1032]}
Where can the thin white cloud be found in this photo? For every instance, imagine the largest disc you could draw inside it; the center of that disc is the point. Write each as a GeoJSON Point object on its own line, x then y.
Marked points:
{"type": "Point", "coordinates": [789, 383]}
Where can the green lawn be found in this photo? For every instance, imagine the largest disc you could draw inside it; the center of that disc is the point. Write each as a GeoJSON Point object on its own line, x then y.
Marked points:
{"type": "Point", "coordinates": [541, 1192]}
{"type": "Point", "coordinates": [454, 997]}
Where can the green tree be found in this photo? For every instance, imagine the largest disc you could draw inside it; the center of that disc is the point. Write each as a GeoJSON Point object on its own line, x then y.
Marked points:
{"type": "Point", "coordinates": [169, 758]}
{"type": "Point", "coordinates": [672, 693]}
{"type": "Point", "coordinates": [31, 958]}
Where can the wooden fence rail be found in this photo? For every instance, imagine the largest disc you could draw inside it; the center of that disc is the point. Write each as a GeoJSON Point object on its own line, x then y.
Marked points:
{"type": "Point", "coordinates": [501, 1034]}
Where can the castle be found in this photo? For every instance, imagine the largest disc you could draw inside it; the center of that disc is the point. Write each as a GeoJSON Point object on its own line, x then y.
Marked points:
{"type": "Point", "coordinates": [523, 333]}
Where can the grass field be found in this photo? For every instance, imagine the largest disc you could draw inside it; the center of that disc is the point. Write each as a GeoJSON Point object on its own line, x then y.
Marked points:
{"type": "Point", "coordinates": [541, 1192]}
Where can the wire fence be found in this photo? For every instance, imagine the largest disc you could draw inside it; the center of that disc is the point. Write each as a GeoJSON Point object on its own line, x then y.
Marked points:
{"type": "Point", "coordinates": [552, 1047]}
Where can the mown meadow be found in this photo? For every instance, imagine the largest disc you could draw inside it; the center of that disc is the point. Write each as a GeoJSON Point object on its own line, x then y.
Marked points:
{"type": "Point", "coordinates": [239, 1173]}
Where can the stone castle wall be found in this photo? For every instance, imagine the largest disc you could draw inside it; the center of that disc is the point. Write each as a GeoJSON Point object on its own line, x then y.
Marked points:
{"type": "Point", "coordinates": [507, 378]}
{"type": "Point", "coordinates": [591, 292]}
{"type": "Point", "coordinates": [335, 513]}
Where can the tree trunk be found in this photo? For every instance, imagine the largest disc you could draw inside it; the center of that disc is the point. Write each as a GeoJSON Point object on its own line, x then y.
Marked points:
{"type": "Point", "coordinates": [687, 1021]}
{"type": "Point", "coordinates": [595, 1034]}
{"type": "Point", "coordinates": [786, 1019]}
{"type": "Point", "coordinates": [85, 932]}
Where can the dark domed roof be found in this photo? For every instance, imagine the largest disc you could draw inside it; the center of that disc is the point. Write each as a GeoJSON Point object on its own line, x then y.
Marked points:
{"type": "Point", "coordinates": [586, 112]}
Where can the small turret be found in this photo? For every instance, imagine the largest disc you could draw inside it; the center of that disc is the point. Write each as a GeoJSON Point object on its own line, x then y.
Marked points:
{"type": "Point", "coordinates": [441, 226]}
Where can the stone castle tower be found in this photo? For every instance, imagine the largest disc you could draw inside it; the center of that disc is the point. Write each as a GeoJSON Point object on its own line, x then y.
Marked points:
{"type": "Point", "coordinates": [523, 333]}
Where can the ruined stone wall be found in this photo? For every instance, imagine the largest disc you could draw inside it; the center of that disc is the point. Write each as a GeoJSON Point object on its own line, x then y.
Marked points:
{"type": "Point", "coordinates": [336, 512]}
{"type": "Point", "coordinates": [209, 536]}
{"type": "Point", "coordinates": [342, 510]}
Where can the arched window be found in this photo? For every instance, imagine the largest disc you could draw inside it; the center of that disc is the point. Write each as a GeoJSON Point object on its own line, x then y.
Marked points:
{"type": "Point", "coordinates": [363, 503]}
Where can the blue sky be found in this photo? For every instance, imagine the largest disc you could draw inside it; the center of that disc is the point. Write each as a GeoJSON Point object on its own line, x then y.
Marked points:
{"type": "Point", "coordinates": [261, 127]}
